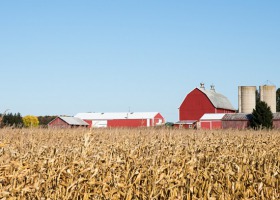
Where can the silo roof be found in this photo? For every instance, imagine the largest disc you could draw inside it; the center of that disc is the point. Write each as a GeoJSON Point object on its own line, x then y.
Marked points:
{"type": "Point", "coordinates": [218, 100]}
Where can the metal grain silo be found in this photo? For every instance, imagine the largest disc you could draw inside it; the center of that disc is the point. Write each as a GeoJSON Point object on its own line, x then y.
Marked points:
{"type": "Point", "coordinates": [246, 99]}
{"type": "Point", "coordinates": [268, 95]}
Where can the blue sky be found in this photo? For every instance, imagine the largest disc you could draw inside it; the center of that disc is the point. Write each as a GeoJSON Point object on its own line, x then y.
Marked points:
{"type": "Point", "coordinates": [64, 57]}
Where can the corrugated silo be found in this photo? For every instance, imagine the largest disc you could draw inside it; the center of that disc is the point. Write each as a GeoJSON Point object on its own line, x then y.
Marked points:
{"type": "Point", "coordinates": [268, 95]}
{"type": "Point", "coordinates": [246, 99]}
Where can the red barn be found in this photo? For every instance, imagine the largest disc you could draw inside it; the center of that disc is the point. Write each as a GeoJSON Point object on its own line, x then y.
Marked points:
{"type": "Point", "coordinates": [211, 121]}
{"type": "Point", "coordinates": [67, 122]}
{"type": "Point", "coordinates": [123, 119]}
{"type": "Point", "coordinates": [201, 101]}
{"type": "Point", "coordinates": [276, 120]}
{"type": "Point", "coordinates": [236, 121]}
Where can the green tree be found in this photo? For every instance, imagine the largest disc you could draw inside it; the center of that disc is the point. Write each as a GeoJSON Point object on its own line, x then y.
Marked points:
{"type": "Point", "coordinates": [258, 96]}
{"type": "Point", "coordinates": [44, 120]}
{"type": "Point", "coordinates": [278, 100]}
{"type": "Point", "coordinates": [262, 116]}
{"type": "Point", "coordinates": [30, 121]}
{"type": "Point", "coordinates": [11, 119]}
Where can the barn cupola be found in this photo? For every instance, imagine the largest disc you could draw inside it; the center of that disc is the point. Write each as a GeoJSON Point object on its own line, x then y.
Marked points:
{"type": "Point", "coordinates": [202, 86]}
{"type": "Point", "coordinates": [212, 88]}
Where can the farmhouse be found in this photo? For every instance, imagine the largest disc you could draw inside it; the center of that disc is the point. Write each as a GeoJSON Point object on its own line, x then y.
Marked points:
{"type": "Point", "coordinates": [67, 122]}
{"type": "Point", "coordinates": [122, 119]}
{"type": "Point", "coordinates": [201, 101]}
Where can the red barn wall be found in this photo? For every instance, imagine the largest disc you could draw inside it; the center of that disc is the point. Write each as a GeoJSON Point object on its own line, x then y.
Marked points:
{"type": "Point", "coordinates": [205, 125]}
{"type": "Point", "coordinates": [59, 123]}
{"type": "Point", "coordinates": [127, 123]}
{"type": "Point", "coordinates": [135, 122]}
{"type": "Point", "coordinates": [89, 122]}
{"type": "Point", "coordinates": [211, 124]}
{"type": "Point", "coordinates": [243, 124]}
{"type": "Point", "coordinates": [195, 105]}
{"type": "Point", "coordinates": [216, 124]}
{"type": "Point", "coordinates": [276, 124]}
{"type": "Point", "coordinates": [234, 124]}
{"type": "Point", "coordinates": [157, 118]}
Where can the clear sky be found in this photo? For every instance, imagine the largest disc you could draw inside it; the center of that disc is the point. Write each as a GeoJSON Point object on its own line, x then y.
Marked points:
{"type": "Point", "coordinates": [63, 56]}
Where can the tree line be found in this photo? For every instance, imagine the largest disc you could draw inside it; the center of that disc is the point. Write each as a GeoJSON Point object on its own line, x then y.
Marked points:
{"type": "Point", "coordinates": [17, 121]}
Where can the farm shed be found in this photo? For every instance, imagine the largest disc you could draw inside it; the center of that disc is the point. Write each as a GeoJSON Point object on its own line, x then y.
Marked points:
{"type": "Point", "coordinates": [276, 120]}
{"type": "Point", "coordinates": [67, 122]}
{"type": "Point", "coordinates": [122, 119]}
{"type": "Point", "coordinates": [211, 121]}
{"type": "Point", "coordinates": [236, 121]}
{"type": "Point", "coordinates": [186, 124]}
{"type": "Point", "coordinates": [201, 101]}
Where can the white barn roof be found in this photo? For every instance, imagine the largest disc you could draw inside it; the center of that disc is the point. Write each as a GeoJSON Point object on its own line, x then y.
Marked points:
{"type": "Point", "coordinates": [121, 115]}
{"type": "Point", "coordinates": [218, 100]}
{"type": "Point", "coordinates": [212, 116]}
{"type": "Point", "coordinates": [74, 121]}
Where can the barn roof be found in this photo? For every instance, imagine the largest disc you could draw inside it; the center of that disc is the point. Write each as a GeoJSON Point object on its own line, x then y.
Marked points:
{"type": "Point", "coordinates": [276, 116]}
{"type": "Point", "coordinates": [186, 122]}
{"type": "Point", "coordinates": [212, 116]}
{"type": "Point", "coordinates": [74, 121]}
{"type": "Point", "coordinates": [244, 116]}
{"type": "Point", "coordinates": [218, 100]}
{"type": "Point", "coordinates": [120, 115]}
{"type": "Point", "coordinates": [237, 117]}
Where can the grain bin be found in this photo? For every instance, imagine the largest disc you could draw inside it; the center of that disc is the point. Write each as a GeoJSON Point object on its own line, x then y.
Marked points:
{"type": "Point", "coordinates": [246, 99]}
{"type": "Point", "coordinates": [268, 95]}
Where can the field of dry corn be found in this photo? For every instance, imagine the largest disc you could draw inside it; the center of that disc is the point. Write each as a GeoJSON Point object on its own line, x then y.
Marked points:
{"type": "Point", "coordinates": [139, 164]}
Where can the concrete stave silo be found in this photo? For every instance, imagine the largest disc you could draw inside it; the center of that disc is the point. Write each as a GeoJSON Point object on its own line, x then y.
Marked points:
{"type": "Point", "coordinates": [268, 95]}
{"type": "Point", "coordinates": [246, 99]}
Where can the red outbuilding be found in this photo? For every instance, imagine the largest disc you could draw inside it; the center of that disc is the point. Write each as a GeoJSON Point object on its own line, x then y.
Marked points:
{"type": "Point", "coordinates": [187, 124]}
{"type": "Point", "coordinates": [276, 120]}
{"type": "Point", "coordinates": [211, 121]}
{"type": "Point", "coordinates": [242, 121]}
{"type": "Point", "coordinates": [123, 119]}
{"type": "Point", "coordinates": [67, 122]}
{"type": "Point", "coordinates": [201, 101]}
{"type": "Point", "coordinates": [236, 121]}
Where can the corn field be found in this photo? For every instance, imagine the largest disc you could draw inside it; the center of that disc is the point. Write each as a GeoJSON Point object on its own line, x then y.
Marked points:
{"type": "Point", "coordinates": [139, 164]}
